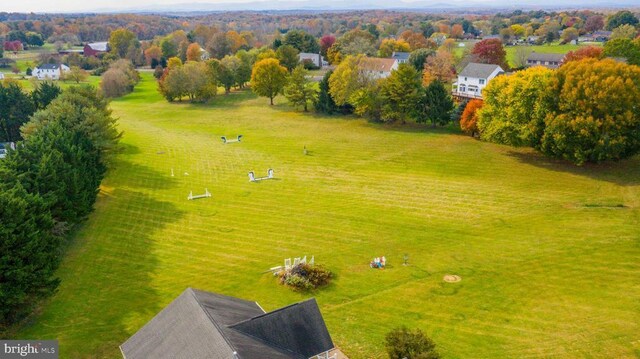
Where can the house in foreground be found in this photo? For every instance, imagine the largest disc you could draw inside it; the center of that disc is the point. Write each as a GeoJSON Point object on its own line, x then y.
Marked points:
{"type": "Point", "coordinates": [50, 71]}
{"type": "Point", "coordinates": [551, 61]}
{"type": "Point", "coordinates": [201, 324]}
{"type": "Point", "coordinates": [474, 78]}
{"type": "Point", "coordinates": [378, 68]}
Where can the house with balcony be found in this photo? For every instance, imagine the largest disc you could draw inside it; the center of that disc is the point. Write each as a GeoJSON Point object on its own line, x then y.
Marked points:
{"type": "Point", "coordinates": [473, 79]}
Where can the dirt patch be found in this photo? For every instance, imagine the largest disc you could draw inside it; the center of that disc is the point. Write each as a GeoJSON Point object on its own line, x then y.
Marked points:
{"type": "Point", "coordinates": [451, 278]}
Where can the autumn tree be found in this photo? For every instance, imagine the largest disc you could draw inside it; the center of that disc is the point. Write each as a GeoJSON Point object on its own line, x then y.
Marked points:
{"type": "Point", "coordinates": [194, 52]}
{"type": "Point", "coordinates": [401, 92]}
{"type": "Point", "coordinates": [624, 32]}
{"type": "Point", "coordinates": [457, 31]}
{"type": "Point", "coordinates": [389, 46]}
{"type": "Point", "coordinates": [325, 103]}
{"type": "Point", "coordinates": [595, 118]}
{"type": "Point", "coordinates": [594, 23]}
{"type": "Point", "coordinates": [515, 107]}
{"type": "Point", "coordinates": [417, 40]}
{"type": "Point", "coordinates": [122, 41]}
{"type": "Point", "coordinates": [584, 52]}
{"type": "Point", "coordinates": [268, 78]}
{"type": "Point", "coordinates": [469, 118]}
{"type": "Point", "coordinates": [325, 43]}
{"type": "Point", "coordinates": [354, 42]}
{"type": "Point", "coordinates": [76, 74]}
{"type": "Point", "coordinates": [569, 34]}
{"type": "Point", "coordinates": [490, 51]}
{"type": "Point", "coordinates": [438, 67]}
{"type": "Point", "coordinates": [152, 53]}
{"type": "Point", "coordinates": [288, 56]}
{"type": "Point", "coordinates": [300, 91]}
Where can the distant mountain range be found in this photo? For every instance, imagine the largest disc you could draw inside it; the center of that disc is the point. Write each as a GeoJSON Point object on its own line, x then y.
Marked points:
{"type": "Point", "coordinates": [336, 5]}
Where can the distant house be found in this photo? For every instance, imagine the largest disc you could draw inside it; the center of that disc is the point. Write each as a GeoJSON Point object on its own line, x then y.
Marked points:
{"type": "Point", "coordinates": [1, 76]}
{"type": "Point", "coordinates": [474, 78]}
{"type": "Point", "coordinates": [378, 68]}
{"type": "Point", "coordinates": [4, 146]}
{"type": "Point", "coordinates": [201, 324]}
{"type": "Point", "coordinates": [95, 48]}
{"type": "Point", "coordinates": [551, 61]}
{"type": "Point", "coordinates": [49, 71]}
{"type": "Point", "coordinates": [316, 59]}
{"type": "Point", "coordinates": [401, 57]}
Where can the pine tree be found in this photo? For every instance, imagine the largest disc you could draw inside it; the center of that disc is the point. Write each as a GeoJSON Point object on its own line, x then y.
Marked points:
{"type": "Point", "coordinates": [436, 105]}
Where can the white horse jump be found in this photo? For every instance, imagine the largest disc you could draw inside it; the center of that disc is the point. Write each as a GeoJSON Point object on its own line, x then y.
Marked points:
{"type": "Point", "coordinates": [253, 178]}
{"type": "Point", "coordinates": [205, 195]}
{"type": "Point", "coordinates": [225, 141]}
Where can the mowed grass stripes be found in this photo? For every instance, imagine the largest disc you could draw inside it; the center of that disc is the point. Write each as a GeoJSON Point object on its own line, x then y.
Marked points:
{"type": "Point", "coordinates": [547, 258]}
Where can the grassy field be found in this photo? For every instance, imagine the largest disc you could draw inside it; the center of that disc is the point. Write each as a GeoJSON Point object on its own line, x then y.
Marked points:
{"type": "Point", "coordinates": [554, 48]}
{"type": "Point", "coordinates": [548, 258]}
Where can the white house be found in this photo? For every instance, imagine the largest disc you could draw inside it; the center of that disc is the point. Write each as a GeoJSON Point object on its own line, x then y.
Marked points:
{"type": "Point", "coordinates": [50, 71]}
{"type": "Point", "coordinates": [474, 78]}
{"type": "Point", "coordinates": [1, 76]}
{"type": "Point", "coordinates": [316, 59]}
{"type": "Point", "coordinates": [4, 146]}
{"type": "Point", "coordinates": [378, 68]}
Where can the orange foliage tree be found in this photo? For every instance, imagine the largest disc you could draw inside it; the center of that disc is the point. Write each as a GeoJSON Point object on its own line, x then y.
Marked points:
{"type": "Point", "coordinates": [595, 52]}
{"type": "Point", "coordinates": [469, 118]}
{"type": "Point", "coordinates": [194, 52]}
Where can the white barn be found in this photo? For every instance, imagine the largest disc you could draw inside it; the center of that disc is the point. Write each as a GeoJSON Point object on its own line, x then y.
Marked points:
{"type": "Point", "coordinates": [473, 78]}
{"type": "Point", "coordinates": [50, 71]}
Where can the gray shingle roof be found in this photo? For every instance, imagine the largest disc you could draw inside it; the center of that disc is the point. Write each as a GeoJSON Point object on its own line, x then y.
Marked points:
{"type": "Point", "coordinates": [200, 324]}
{"type": "Point", "coordinates": [298, 329]}
{"type": "Point", "coordinates": [541, 56]}
{"type": "Point", "coordinates": [49, 67]}
{"type": "Point", "coordinates": [481, 71]}
{"type": "Point", "coordinates": [400, 55]}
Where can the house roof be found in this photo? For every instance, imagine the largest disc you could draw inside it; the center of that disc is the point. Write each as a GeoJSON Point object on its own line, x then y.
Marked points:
{"type": "Point", "coordinates": [400, 55]}
{"type": "Point", "coordinates": [377, 64]}
{"type": "Point", "coordinates": [49, 67]}
{"type": "Point", "coordinates": [298, 328]}
{"type": "Point", "coordinates": [481, 71]}
{"type": "Point", "coordinates": [99, 46]}
{"type": "Point", "coordinates": [541, 56]}
{"type": "Point", "coordinates": [201, 324]}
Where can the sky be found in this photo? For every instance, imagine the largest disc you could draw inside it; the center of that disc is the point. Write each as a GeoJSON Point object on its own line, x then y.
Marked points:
{"type": "Point", "coordinates": [40, 6]}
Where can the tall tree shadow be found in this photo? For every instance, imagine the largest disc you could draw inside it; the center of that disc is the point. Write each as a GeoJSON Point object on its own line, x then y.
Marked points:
{"type": "Point", "coordinates": [623, 173]}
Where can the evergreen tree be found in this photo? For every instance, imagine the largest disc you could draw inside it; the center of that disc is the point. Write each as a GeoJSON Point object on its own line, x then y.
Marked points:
{"type": "Point", "coordinates": [299, 89]}
{"type": "Point", "coordinates": [400, 92]}
{"type": "Point", "coordinates": [325, 103]}
{"type": "Point", "coordinates": [15, 109]}
{"type": "Point", "coordinates": [436, 105]}
{"type": "Point", "coordinates": [44, 93]}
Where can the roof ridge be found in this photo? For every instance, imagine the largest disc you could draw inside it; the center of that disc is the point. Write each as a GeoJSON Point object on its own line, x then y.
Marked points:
{"type": "Point", "coordinates": [213, 321]}
{"type": "Point", "coordinates": [273, 311]}
{"type": "Point", "coordinates": [272, 345]}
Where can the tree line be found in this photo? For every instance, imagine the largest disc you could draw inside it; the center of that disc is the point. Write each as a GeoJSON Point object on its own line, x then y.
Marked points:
{"type": "Point", "coordinates": [48, 185]}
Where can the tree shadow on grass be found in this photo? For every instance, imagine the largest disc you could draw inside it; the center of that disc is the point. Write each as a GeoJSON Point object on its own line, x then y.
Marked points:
{"type": "Point", "coordinates": [623, 173]}
{"type": "Point", "coordinates": [107, 289]}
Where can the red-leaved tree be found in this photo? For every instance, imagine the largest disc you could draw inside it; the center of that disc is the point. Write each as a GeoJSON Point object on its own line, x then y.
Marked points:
{"type": "Point", "coordinates": [325, 43]}
{"type": "Point", "coordinates": [490, 51]}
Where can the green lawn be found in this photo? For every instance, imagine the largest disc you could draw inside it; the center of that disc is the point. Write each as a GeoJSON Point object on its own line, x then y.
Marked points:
{"type": "Point", "coordinates": [548, 260]}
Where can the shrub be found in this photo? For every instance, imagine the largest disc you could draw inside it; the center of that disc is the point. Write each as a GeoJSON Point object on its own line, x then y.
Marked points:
{"type": "Point", "coordinates": [305, 277]}
{"type": "Point", "coordinates": [401, 343]}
